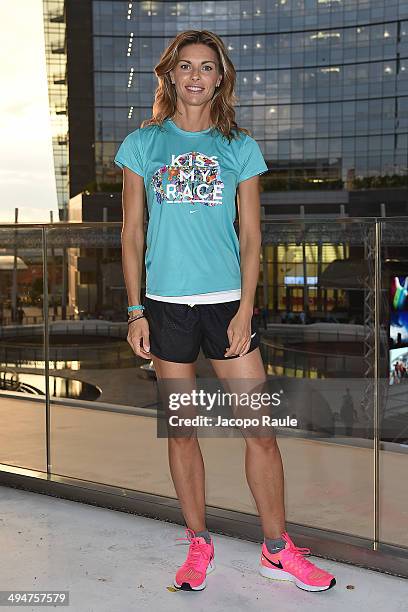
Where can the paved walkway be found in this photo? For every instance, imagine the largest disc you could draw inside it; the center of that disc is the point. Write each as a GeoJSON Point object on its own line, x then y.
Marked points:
{"type": "Point", "coordinates": [117, 562]}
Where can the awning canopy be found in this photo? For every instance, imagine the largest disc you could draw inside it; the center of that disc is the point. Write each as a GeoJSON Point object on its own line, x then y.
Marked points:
{"type": "Point", "coordinates": [345, 274]}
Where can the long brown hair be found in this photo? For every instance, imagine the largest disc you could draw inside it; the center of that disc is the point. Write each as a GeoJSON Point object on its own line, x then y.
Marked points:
{"type": "Point", "coordinates": [222, 112]}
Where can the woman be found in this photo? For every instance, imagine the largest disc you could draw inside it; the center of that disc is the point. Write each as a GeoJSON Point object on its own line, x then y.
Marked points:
{"type": "Point", "coordinates": [191, 158]}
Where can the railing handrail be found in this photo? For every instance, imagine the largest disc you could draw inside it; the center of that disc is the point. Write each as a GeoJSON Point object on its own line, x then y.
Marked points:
{"type": "Point", "coordinates": [292, 220]}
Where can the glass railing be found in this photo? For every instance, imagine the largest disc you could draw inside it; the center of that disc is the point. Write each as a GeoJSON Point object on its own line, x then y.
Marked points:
{"type": "Point", "coordinates": [77, 403]}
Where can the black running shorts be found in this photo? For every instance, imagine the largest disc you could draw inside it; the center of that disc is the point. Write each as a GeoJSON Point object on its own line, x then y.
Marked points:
{"type": "Point", "coordinates": [177, 331]}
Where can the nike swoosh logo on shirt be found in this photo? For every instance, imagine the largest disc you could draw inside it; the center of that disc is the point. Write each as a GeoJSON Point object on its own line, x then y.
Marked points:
{"type": "Point", "coordinates": [193, 211]}
{"type": "Point", "coordinates": [253, 335]}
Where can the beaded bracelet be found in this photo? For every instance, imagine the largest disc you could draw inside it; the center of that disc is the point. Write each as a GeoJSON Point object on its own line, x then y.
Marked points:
{"type": "Point", "coordinates": [136, 307]}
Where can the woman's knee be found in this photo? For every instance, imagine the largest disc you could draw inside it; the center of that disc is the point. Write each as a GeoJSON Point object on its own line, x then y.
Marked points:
{"type": "Point", "coordinates": [182, 442]}
{"type": "Point", "coordinates": [262, 443]}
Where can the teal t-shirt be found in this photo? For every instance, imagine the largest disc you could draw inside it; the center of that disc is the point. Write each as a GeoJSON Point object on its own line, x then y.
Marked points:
{"type": "Point", "coordinates": [191, 180]}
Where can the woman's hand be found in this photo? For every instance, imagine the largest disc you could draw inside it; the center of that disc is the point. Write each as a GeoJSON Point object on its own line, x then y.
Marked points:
{"type": "Point", "coordinates": [239, 333]}
{"type": "Point", "coordinates": [139, 330]}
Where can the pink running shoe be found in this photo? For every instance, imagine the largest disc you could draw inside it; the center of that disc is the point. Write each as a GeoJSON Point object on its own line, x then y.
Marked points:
{"type": "Point", "coordinates": [290, 564]}
{"type": "Point", "coordinates": [191, 576]}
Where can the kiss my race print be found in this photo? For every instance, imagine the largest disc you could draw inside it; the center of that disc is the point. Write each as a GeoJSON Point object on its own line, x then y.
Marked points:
{"type": "Point", "coordinates": [189, 177]}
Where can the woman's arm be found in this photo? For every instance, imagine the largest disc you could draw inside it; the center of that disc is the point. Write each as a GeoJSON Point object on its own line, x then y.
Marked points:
{"type": "Point", "coordinates": [250, 239]}
{"type": "Point", "coordinates": [133, 202]}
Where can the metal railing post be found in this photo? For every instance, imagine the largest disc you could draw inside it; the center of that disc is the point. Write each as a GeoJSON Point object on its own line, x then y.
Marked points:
{"type": "Point", "coordinates": [377, 382]}
{"type": "Point", "coordinates": [46, 350]}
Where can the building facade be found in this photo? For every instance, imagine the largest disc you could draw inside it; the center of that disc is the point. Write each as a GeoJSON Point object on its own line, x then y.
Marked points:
{"type": "Point", "coordinates": [322, 85]}
{"type": "Point", "coordinates": [56, 62]}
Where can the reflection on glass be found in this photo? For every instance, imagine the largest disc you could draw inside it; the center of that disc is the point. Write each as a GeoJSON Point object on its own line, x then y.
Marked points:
{"type": "Point", "coordinates": [22, 422]}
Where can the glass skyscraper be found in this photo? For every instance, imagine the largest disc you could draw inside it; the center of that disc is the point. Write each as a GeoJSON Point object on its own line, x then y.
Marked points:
{"type": "Point", "coordinates": [322, 85]}
{"type": "Point", "coordinates": [56, 58]}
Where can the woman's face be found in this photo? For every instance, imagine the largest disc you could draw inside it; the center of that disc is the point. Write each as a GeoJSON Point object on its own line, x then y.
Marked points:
{"type": "Point", "coordinates": [197, 67]}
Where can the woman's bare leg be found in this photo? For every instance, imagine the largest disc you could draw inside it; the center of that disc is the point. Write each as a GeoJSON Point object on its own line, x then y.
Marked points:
{"type": "Point", "coordinates": [263, 462]}
{"type": "Point", "coordinates": [185, 458]}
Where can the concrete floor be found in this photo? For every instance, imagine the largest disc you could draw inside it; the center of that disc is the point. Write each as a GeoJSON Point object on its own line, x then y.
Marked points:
{"type": "Point", "coordinates": [116, 562]}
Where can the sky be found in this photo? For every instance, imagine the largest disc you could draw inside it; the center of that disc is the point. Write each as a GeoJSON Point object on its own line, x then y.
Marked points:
{"type": "Point", "coordinates": [26, 163]}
